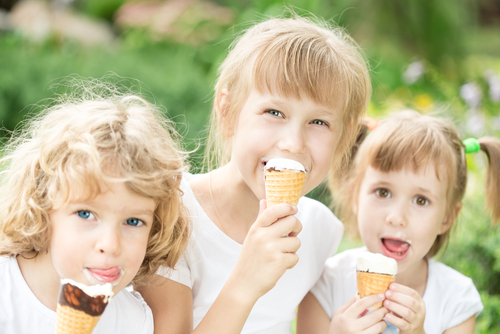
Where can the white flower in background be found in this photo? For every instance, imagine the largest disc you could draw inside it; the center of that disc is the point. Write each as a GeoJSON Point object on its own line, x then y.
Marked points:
{"type": "Point", "coordinates": [471, 94]}
{"type": "Point", "coordinates": [414, 72]}
{"type": "Point", "coordinates": [475, 125]}
{"type": "Point", "coordinates": [494, 82]}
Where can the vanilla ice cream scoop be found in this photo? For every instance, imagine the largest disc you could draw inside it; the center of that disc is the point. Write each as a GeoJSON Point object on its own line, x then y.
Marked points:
{"type": "Point", "coordinates": [377, 263]}
{"type": "Point", "coordinates": [280, 164]}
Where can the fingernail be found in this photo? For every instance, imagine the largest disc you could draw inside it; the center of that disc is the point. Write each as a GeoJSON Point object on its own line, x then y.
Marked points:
{"type": "Point", "coordinates": [388, 293]}
{"type": "Point", "coordinates": [295, 208]}
{"type": "Point", "coordinates": [381, 296]}
{"type": "Point", "coordinates": [392, 287]}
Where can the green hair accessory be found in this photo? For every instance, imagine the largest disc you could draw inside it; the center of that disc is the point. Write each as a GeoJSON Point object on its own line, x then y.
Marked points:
{"type": "Point", "coordinates": [471, 145]}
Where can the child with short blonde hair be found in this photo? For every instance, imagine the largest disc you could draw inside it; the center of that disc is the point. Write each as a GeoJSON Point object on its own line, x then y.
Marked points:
{"type": "Point", "coordinates": [404, 192]}
{"type": "Point", "coordinates": [90, 192]}
{"type": "Point", "coordinates": [290, 88]}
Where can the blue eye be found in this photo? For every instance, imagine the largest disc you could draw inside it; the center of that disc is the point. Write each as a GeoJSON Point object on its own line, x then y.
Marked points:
{"type": "Point", "coordinates": [85, 214]}
{"type": "Point", "coordinates": [134, 222]}
{"type": "Point", "coordinates": [421, 201]}
{"type": "Point", "coordinates": [383, 192]}
{"type": "Point", "coordinates": [275, 113]}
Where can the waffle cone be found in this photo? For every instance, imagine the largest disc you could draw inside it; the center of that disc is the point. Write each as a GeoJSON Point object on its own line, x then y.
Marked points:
{"type": "Point", "coordinates": [72, 321]}
{"type": "Point", "coordinates": [284, 186]}
{"type": "Point", "coordinates": [371, 283]}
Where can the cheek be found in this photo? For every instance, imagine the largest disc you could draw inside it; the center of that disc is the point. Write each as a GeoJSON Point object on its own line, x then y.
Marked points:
{"type": "Point", "coordinates": [135, 253]}
{"type": "Point", "coordinates": [67, 252]}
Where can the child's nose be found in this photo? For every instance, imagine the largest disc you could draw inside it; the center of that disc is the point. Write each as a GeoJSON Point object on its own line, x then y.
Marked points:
{"type": "Point", "coordinates": [109, 241]}
{"type": "Point", "coordinates": [397, 215]}
{"type": "Point", "coordinates": [292, 140]}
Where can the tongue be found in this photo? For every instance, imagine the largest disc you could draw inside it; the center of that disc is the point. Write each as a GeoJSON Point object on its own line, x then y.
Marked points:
{"type": "Point", "coordinates": [396, 246]}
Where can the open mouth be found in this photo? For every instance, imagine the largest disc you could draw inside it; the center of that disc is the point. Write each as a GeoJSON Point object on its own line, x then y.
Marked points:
{"type": "Point", "coordinates": [395, 248]}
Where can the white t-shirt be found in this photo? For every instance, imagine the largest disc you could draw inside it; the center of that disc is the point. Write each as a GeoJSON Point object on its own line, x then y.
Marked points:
{"type": "Point", "coordinates": [21, 312]}
{"type": "Point", "coordinates": [211, 257]}
{"type": "Point", "coordinates": [450, 297]}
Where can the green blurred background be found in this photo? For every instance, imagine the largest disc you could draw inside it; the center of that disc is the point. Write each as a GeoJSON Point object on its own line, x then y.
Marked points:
{"type": "Point", "coordinates": [436, 56]}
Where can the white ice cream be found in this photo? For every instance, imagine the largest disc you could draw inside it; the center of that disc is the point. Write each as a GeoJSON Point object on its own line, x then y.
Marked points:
{"type": "Point", "coordinates": [377, 263]}
{"type": "Point", "coordinates": [93, 290]}
{"type": "Point", "coordinates": [282, 164]}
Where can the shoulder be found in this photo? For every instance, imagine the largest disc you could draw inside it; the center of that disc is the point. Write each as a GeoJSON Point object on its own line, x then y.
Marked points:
{"type": "Point", "coordinates": [7, 265]}
{"type": "Point", "coordinates": [447, 277]}
{"type": "Point", "coordinates": [450, 296]}
{"type": "Point", "coordinates": [345, 260]}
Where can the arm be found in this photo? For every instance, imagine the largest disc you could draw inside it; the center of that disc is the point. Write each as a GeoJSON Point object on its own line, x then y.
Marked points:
{"type": "Point", "coordinates": [466, 327]}
{"type": "Point", "coordinates": [265, 256]}
{"type": "Point", "coordinates": [311, 318]}
{"type": "Point", "coordinates": [171, 303]}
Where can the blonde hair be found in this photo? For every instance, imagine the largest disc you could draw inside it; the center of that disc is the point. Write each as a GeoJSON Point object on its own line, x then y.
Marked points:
{"type": "Point", "coordinates": [408, 140]}
{"type": "Point", "coordinates": [291, 57]}
{"type": "Point", "coordinates": [95, 135]}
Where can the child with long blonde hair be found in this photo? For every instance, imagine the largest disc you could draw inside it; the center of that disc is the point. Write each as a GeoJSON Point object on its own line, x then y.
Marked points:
{"type": "Point", "coordinates": [289, 88]}
{"type": "Point", "coordinates": [404, 192]}
{"type": "Point", "coordinates": [90, 192]}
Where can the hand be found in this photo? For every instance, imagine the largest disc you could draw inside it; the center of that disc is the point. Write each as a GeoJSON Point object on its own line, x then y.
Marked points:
{"type": "Point", "coordinates": [268, 250]}
{"type": "Point", "coordinates": [348, 318]}
{"type": "Point", "coordinates": [407, 309]}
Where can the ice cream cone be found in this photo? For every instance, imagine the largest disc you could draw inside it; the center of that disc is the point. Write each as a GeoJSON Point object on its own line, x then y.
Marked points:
{"type": "Point", "coordinates": [80, 307]}
{"type": "Point", "coordinates": [72, 321]}
{"type": "Point", "coordinates": [374, 274]}
{"type": "Point", "coordinates": [284, 186]}
{"type": "Point", "coordinates": [371, 283]}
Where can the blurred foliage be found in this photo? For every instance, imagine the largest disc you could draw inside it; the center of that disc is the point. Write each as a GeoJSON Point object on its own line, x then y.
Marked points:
{"type": "Point", "coordinates": [442, 38]}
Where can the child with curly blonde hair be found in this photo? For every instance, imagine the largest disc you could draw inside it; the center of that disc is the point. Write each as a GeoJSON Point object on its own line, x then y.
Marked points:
{"type": "Point", "coordinates": [90, 192]}
{"type": "Point", "coordinates": [404, 193]}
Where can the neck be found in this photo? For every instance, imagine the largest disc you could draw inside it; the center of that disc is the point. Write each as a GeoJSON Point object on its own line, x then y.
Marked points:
{"type": "Point", "coordinates": [41, 277]}
{"type": "Point", "coordinates": [415, 277]}
{"type": "Point", "coordinates": [232, 205]}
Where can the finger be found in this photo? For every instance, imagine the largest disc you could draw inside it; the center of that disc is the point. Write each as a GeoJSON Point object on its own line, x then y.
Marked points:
{"type": "Point", "coordinates": [344, 307]}
{"type": "Point", "coordinates": [400, 323]}
{"type": "Point", "coordinates": [372, 318]}
{"type": "Point", "coordinates": [409, 301]}
{"type": "Point", "coordinates": [289, 245]}
{"type": "Point", "coordinates": [361, 305]}
{"type": "Point", "coordinates": [401, 310]}
{"type": "Point", "coordinates": [376, 328]}
{"type": "Point", "coordinates": [290, 260]}
{"type": "Point", "coordinates": [287, 226]}
{"type": "Point", "coordinates": [395, 287]}
{"type": "Point", "coordinates": [271, 214]}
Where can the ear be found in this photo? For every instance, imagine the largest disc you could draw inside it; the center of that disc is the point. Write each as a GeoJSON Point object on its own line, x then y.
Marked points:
{"type": "Point", "coordinates": [448, 222]}
{"type": "Point", "coordinates": [222, 119]}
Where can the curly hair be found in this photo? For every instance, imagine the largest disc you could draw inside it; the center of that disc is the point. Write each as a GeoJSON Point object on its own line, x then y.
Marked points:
{"type": "Point", "coordinates": [94, 135]}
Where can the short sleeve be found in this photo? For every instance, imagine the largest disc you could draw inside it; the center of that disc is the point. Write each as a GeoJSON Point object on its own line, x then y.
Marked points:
{"type": "Point", "coordinates": [467, 304]}
{"type": "Point", "coordinates": [323, 291]}
{"type": "Point", "coordinates": [181, 273]}
{"type": "Point", "coordinates": [450, 298]}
